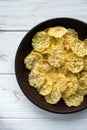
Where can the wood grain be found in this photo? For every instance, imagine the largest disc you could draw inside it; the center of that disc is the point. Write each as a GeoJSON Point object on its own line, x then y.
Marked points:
{"type": "Point", "coordinates": [29, 124]}
{"type": "Point", "coordinates": [9, 42]}
{"type": "Point", "coordinates": [23, 15]}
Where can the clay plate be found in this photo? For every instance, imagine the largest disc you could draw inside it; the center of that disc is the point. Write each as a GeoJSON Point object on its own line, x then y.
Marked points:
{"type": "Point", "coordinates": [21, 72]}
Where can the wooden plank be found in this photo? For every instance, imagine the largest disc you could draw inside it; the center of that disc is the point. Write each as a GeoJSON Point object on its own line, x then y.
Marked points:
{"type": "Point", "coordinates": [23, 15]}
{"type": "Point", "coordinates": [13, 104]}
{"type": "Point", "coordinates": [9, 42]}
{"type": "Point", "coordinates": [43, 124]}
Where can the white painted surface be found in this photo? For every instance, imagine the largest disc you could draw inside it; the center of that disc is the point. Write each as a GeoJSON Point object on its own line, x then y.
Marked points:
{"type": "Point", "coordinates": [9, 42]}
{"type": "Point", "coordinates": [24, 14]}
{"type": "Point", "coordinates": [16, 18]}
{"type": "Point", "coordinates": [41, 124]}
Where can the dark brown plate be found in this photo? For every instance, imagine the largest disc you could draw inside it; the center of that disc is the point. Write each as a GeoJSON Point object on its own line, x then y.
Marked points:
{"type": "Point", "coordinates": [22, 73]}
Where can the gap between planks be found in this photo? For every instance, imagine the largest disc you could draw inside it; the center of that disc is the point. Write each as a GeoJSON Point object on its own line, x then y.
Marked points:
{"type": "Point", "coordinates": [14, 30]}
{"type": "Point", "coordinates": [39, 119]}
{"type": "Point", "coordinates": [14, 118]}
{"type": "Point", "coordinates": [7, 74]}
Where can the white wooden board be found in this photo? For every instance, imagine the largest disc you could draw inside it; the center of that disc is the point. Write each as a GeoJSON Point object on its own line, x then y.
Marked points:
{"type": "Point", "coordinates": [24, 14]}
{"type": "Point", "coordinates": [29, 124]}
{"type": "Point", "coordinates": [9, 42]}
